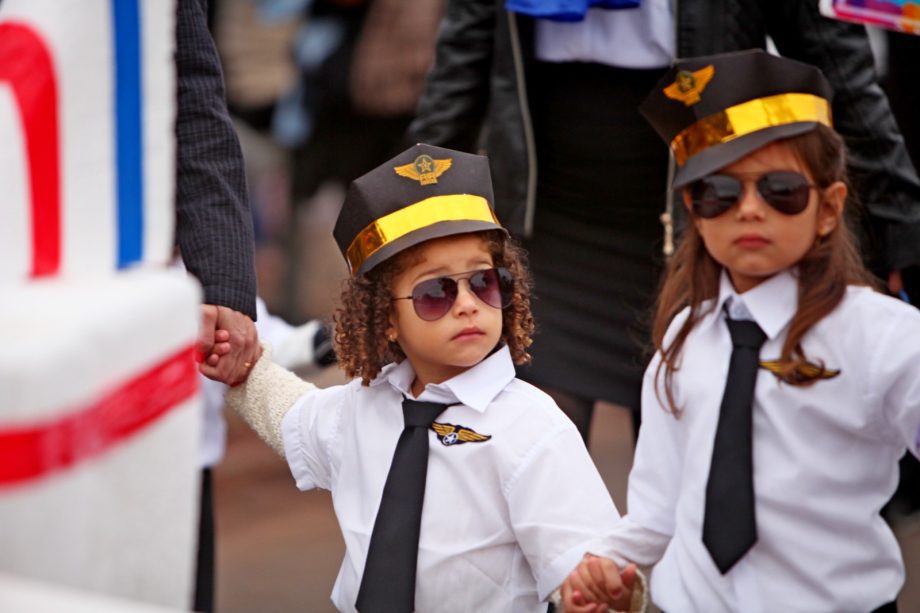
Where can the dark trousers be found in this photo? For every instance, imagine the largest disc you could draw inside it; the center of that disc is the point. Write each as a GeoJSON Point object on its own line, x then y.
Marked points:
{"type": "Point", "coordinates": [204, 573]}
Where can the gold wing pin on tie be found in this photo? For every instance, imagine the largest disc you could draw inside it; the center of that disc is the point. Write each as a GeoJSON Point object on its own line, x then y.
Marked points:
{"type": "Point", "coordinates": [804, 372]}
{"type": "Point", "coordinates": [688, 86]}
{"type": "Point", "coordinates": [451, 434]}
{"type": "Point", "coordinates": [424, 169]}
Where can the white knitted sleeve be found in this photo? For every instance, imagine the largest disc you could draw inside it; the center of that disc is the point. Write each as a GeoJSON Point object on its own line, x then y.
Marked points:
{"type": "Point", "coordinates": [268, 393]}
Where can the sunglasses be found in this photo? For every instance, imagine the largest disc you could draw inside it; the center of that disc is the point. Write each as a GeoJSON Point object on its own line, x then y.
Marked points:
{"type": "Point", "coordinates": [784, 190]}
{"type": "Point", "coordinates": [433, 298]}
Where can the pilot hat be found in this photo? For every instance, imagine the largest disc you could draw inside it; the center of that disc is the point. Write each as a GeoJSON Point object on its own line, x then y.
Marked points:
{"type": "Point", "coordinates": [714, 110]}
{"type": "Point", "coordinates": [423, 193]}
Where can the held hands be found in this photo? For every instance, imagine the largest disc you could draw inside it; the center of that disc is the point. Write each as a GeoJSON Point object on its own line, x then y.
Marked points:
{"type": "Point", "coordinates": [228, 344]}
{"type": "Point", "coordinates": [597, 585]}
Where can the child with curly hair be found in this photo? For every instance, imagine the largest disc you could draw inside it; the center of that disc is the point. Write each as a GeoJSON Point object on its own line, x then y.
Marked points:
{"type": "Point", "coordinates": [457, 487]}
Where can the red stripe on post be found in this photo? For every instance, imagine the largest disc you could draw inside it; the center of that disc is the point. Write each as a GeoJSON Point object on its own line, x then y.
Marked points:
{"type": "Point", "coordinates": [32, 452]}
{"type": "Point", "coordinates": [26, 64]}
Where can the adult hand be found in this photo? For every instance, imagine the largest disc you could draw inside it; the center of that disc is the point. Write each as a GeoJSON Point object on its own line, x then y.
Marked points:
{"type": "Point", "coordinates": [229, 343]}
{"type": "Point", "coordinates": [895, 282]}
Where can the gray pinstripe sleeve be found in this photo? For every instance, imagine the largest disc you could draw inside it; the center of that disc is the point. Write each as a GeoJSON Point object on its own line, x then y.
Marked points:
{"type": "Point", "coordinates": [214, 224]}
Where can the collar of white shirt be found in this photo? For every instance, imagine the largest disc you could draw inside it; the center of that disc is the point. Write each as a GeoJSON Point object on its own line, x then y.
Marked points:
{"type": "Point", "coordinates": [771, 304]}
{"type": "Point", "coordinates": [475, 387]}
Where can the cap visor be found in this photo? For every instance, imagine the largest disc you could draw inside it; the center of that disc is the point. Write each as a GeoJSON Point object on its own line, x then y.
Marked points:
{"type": "Point", "coordinates": [438, 230]}
{"type": "Point", "coordinates": [719, 156]}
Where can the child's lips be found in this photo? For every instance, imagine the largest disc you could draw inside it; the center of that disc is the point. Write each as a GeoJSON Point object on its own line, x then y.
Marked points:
{"type": "Point", "coordinates": [751, 241]}
{"type": "Point", "coordinates": [469, 332]}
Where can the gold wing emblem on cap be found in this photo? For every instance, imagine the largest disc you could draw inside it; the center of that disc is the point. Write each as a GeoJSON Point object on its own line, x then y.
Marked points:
{"type": "Point", "coordinates": [424, 169]}
{"type": "Point", "coordinates": [804, 372]}
{"type": "Point", "coordinates": [451, 434]}
{"type": "Point", "coordinates": [688, 86]}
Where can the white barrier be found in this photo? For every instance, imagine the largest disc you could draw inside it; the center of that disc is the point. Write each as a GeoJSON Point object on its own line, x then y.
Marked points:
{"type": "Point", "coordinates": [99, 434]}
{"type": "Point", "coordinates": [19, 594]}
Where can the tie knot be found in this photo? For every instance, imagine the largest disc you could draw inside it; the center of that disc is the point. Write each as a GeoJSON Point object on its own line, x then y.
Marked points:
{"type": "Point", "coordinates": [418, 414]}
{"type": "Point", "coordinates": [745, 333]}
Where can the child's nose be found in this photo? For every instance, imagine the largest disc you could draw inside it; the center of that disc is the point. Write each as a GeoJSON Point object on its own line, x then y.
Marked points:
{"type": "Point", "coordinates": [466, 300]}
{"type": "Point", "coordinates": [751, 203]}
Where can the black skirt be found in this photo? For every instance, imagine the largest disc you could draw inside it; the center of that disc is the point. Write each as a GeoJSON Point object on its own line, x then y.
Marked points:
{"type": "Point", "coordinates": [596, 248]}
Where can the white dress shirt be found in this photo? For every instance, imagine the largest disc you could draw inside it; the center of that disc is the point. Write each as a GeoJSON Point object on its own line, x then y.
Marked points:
{"type": "Point", "coordinates": [642, 37]}
{"type": "Point", "coordinates": [504, 520]}
{"type": "Point", "coordinates": [825, 460]}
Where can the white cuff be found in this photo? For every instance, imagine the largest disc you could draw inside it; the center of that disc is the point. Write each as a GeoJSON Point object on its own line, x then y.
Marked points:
{"type": "Point", "coordinates": [268, 393]}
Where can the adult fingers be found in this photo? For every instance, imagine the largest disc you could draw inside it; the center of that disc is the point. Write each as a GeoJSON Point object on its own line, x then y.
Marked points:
{"type": "Point", "coordinates": [206, 331]}
{"type": "Point", "coordinates": [244, 345]}
{"type": "Point", "coordinates": [895, 282]}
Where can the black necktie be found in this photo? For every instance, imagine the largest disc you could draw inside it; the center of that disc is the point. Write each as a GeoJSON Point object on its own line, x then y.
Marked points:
{"type": "Point", "coordinates": [388, 583]}
{"type": "Point", "coordinates": [729, 526]}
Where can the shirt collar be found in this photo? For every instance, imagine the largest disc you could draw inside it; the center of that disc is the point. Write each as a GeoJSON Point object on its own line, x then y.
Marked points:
{"type": "Point", "coordinates": [771, 304]}
{"type": "Point", "coordinates": [475, 387]}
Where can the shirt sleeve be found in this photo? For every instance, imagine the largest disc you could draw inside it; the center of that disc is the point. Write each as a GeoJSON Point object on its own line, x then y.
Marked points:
{"type": "Point", "coordinates": [559, 506]}
{"type": "Point", "coordinates": [213, 220]}
{"type": "Point", "coordinates": [654, 482]}
{"type": "Point", "coordinates": [310, 431]}
{"type": "Point", "coordinates": [896, 380]}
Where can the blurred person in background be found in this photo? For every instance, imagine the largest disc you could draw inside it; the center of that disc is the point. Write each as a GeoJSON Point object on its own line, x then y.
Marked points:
{"type": "Point", "coordinates": [903, 88]}
{"type": "Point", "coordinates": [213, 229]}
{"type": "Point", "coordinates": [552, 98]}
{"type": "Point", "coordinates": [332, 84]}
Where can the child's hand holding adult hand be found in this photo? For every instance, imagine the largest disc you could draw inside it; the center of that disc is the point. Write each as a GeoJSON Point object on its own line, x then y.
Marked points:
{"type": "Point", "coordinates": [597, 585]}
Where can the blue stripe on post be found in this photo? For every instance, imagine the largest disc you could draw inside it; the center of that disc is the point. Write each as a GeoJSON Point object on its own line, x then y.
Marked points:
{"type": "Point", "coordinates": [129, 138]}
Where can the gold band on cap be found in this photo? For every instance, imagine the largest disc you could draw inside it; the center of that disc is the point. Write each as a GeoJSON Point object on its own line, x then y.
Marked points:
{"type": "Point", "coordinates": [748, 117]}
{"type": "Point", "coordinates": [455, 207]}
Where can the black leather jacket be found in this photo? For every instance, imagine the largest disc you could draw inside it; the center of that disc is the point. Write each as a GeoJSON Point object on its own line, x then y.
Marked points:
{"type": "Point", "coordinates": [478, 81]}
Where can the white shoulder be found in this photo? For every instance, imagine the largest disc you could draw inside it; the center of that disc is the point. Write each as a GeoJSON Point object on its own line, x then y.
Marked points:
{"type": "Point", "coordinates": [531, 403]}
{"type": "Point", "coordinates": [866, 302]}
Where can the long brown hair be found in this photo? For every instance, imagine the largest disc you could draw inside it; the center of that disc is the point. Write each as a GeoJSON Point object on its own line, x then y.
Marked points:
{"type": "Point", "coordinates": [362, 320]}
{"type": "Point", "coordinates": [692, 275]}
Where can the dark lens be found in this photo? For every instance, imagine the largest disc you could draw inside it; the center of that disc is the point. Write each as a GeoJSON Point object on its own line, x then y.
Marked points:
{"type": "Point", "coordinates": [713, 195]}
{"type": "Point", "coordinates": [433, 298]}
{"type": "Point", "coordinates": [493, 286]}
{"type": "Point", "coordinates": [785, 191]}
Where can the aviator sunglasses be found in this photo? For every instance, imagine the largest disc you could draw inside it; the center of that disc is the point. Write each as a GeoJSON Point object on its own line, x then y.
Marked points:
{"type": "Point", "coordinates": [433, 298]}
{"type": "Point", "coordinates": [784, 190]}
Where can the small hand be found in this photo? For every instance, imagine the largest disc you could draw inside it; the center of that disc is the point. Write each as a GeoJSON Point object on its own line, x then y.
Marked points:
{"type": "Point", "coordinates": [596, 584]}
{"type": "Point", "coordinates": [895, 282]}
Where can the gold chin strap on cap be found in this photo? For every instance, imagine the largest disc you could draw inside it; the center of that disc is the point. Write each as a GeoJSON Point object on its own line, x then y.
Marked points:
{"type": "Point", "coordinates": [748, 117]}
{"type": "Point", "coordinates": [454, 207]}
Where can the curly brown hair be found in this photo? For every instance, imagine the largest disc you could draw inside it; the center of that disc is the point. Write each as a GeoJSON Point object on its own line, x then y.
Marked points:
{"type": "Point", "coordinates": [692, 275]}
{"type": "Point", "coordinates": [362, 319]}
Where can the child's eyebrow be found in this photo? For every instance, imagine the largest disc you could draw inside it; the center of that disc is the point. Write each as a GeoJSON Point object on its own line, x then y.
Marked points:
{"type": "Point", "coordinates": [444, 271]}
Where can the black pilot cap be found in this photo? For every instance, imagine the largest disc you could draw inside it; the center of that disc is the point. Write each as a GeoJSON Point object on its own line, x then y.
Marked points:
{"type": "Point", "coordinates": [715, 110]}
{"type": "Point", "coordinates": [424, 192]}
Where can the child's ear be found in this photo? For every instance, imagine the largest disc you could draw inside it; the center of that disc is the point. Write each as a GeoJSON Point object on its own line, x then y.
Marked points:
{"type": "Point", "coordinates": [392, 329]}
{"type": "Point", "coordinates": [830, 209]}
